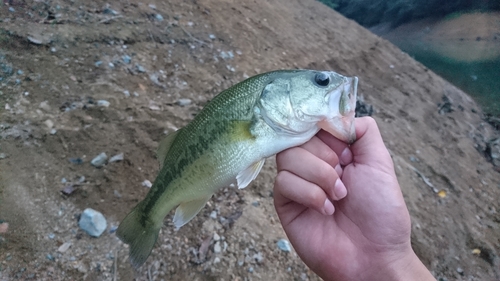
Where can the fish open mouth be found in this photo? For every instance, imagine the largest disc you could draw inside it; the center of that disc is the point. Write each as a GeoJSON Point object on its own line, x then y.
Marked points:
{"type": "Point", "coordinates": [342, 125]}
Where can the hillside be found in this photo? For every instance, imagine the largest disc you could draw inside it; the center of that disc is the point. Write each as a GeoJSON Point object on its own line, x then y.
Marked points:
{"type": "Point", "coordinates": [146, 60]}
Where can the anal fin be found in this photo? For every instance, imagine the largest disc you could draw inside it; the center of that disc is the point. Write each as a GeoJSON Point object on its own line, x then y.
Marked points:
{"type": "Point", "coordinates": [246, 176]}
{"type": "Point", "coordinates": [187, 210]}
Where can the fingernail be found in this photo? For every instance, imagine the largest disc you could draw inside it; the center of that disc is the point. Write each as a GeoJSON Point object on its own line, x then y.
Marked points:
{"type": "Point", "coordinates": [328, 208]}
{"type": "Point", "coordinates": [345, 157]}
{"type": "Point", "coordinates": [339, 189]}
{"type": "Point", "coordinates": [338, 169]}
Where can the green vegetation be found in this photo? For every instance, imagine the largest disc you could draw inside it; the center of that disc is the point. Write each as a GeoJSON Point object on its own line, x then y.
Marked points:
{"type": "Point", "coordinates": [372, 12]}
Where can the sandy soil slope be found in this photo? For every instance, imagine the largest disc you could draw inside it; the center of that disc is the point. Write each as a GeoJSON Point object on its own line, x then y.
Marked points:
{"type": "Point", "coordinates": [73, 53]}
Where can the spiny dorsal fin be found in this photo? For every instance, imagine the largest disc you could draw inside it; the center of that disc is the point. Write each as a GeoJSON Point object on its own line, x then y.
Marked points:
{"type": "Point", "coordinates": [165, 146]}
{"type": "Point", "coordinates": [249, 174]}
{"type": "Point", "coordinates": [187, 210]}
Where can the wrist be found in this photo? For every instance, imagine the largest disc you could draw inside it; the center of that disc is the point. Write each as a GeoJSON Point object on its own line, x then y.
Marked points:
{"type": "Point", "coordinates": [408, 268]}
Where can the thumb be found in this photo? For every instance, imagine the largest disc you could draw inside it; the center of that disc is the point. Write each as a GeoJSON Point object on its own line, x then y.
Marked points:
{"type": "Point", "coordinates": [369, 148]}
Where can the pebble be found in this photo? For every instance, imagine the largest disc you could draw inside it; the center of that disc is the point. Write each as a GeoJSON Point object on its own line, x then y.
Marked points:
{"type": "Point", "coordinates": [98, 63]}
{"type": "Point", "coordinates": [20, 72]}
{"type": "Point", "coordinates": [64, 247]}
{"type": "Point", "coordinates": [111, 65]}
{"type": "Point", "coordinates": [116, 158]}
{"type": "Point", "coordinates": [140, 68]}
{"type": "Point", "coordinates": [217, 247]}
{"type": "Point", "coordinates": [126, 59]}
{"type": "Point", "coordinates": [12, 9]}
{"type": "Point", "coordinates": [258, 257]}
{"type": "Point", "coordinates": [460, 271]}
{"type": "Point", "coordinates": [49, 123]}
{"type": "Point", "coordinates": [99, 160]}
{"type": "Point", "coordinates": [147, 183]}
{"type": "Point", "coordinates": [50, 257]}
{"type": "Point", "coordinates": [183, 102]}
{"type": "Point", "coordinates": [126, 93]}
{"type": "Point", "coordinates": [216, 236]}
{"type": "Point", "coordinates": [213, 215]}
{"type": "Point", "coordinates": [117, 194]}
{"type": "Point", "coordinates": [250, 269]}
{"type": "Point", "coordinates": [211, 36]}
{"type": "Point", "coordinates": [45, 106]}
{"type": "Point", "coordinates": [159, 17]}
{"type": "Point", "coordinates": [77, 160]}
{"type": "Point", "coordinates": [53, 50]}
{"type": "Point", "coordinates": [284, 245]}
{"type": "Point", "coordinates": [52, 236]}
{"type": "Point", "coordinates": [53, 131]}
{"type": "Point", "coordinates": [152, 6]}
{"type": "Point", "coordinates": [3, 155]}
{"type": "Point", "coordinates": [4, 227]}
{"type": "Point", "coordinates": [216, 260]}
{"type": "Point", "coordinates": [113, 229]}
{"type": "Point", "coordinates": [92, 222]}
{"type": "Point", "coordinates": [103, 103]}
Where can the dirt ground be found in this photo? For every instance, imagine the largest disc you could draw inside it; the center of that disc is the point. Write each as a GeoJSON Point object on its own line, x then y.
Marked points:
{"type": "Point", "coordinates": [59, 58]}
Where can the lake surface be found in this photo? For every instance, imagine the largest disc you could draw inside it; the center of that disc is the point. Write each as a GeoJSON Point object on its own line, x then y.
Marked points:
{"type": "Point", "coordinates": [480, 79]}
{"type": "Point", "coordinates": [465, 50]}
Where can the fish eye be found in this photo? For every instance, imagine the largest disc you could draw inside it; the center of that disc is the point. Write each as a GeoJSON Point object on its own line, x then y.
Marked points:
{"type": "Point", "coordinates": [322, 79]}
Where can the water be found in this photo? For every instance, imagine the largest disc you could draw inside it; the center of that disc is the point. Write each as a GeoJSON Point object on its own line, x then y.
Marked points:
{"type": "Point", "coordinates": [480, 79]}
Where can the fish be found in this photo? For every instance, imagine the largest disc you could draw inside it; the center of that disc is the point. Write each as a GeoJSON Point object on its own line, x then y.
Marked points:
{"type": "Point", "coordinates": [229, 140]}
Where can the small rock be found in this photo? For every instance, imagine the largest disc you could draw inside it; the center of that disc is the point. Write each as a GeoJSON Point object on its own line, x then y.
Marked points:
{"type": "Point", "coordinates": [213, 215]}
{"type": "Point", "coordinates": [12, 9]}
{"type": "Point", "coordinates": [152, 6]}
{"type": "Point", "coordinates": [7, 106]}
{"type": "Point", "coordinates": [250, 269]}
{"type": "Point", "coordinates": [50, 257]}
{"type": "Point", "coordinates": [126, 59]}
{"type": "Point", "coordinates": [99, 160]}
{"type": "Point", "coordinates": [64, 247]}
{"type": "Point", "coordinates": [98, 63]}
{"type": "Point", "coordinates": [53, 50]}
{"type": "Point", "coordinates": [284, 245]}
{"type": "Point", "coordinates": [211, 36]}
{"type": "Point", "coordinates": [77, 160]}
{"type": "Point", "coordinates": [258, 257]}
{"type": "Point", "coordinates": [111, 65]}
{"type": "Point", "coordinates": [20, 72]}
{"type": "Point", "coordinates": [49, 123]}
{"type": "Point", "coordinates": [147, 183]}
{"type": "Point", "coordinates": [159, 17]}
{"type": "Point", "coordinates": [140, 68]}
{"type": "Point", "coordinates": [92, 222]}
{"type": "Point", "coordinates": [183, 102]}
{"type": "Point", "coordinates": [116, 158]}
{"type": "Point", "coordinates": [45, 106]}
{"type": "Point", "coordinates": [117, 194]}
{"type": "Point", "coordinates": [216, 260]}
{"type": "Point", "coordinates": [68, 189]}
{"type": "Point", "coordinates": [4, 227]}
{"type": "Point", "coordinates": [3, 155]}
{"type": "Point", "coordinates": [53, 131]}
{"type": "Point", "coordinates": [216, 236]}
{"type": "Point", "coordinates": [460, 271]}
{"type": "Point", "coordinates": [103, 103]}
{"type": "Point", "coordinates": [255, 203]}
{"type": "Point", "coordinates": [113, 229]}
{"type": "Point", "coordinates": [51, 236]}
{"type": "Point", "coordinates": [217, 247]}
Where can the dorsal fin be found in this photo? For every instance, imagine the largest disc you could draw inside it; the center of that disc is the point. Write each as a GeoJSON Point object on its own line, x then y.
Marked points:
{"type": "Point", "coordinates": [165, 146]}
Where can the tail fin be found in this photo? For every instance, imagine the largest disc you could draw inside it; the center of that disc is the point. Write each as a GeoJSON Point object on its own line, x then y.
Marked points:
{"type": "Point", "coordinates": [140, 233]}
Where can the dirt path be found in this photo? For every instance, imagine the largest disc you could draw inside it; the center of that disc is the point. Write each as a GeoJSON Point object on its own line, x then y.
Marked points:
{"type": "Point", "coordinates": [73, 54]}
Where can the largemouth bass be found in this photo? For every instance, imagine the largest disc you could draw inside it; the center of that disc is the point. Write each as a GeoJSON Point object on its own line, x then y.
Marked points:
{"type": "Point", "coordinates": [229, 140]}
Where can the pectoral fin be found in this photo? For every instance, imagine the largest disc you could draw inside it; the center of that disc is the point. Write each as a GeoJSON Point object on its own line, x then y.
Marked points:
{"type": "Point", "coordinates": [187, 210]}
{"type": "Point", "coordinates": [249, 174]}
{"type": "Point", "coordinates": [165, 146]}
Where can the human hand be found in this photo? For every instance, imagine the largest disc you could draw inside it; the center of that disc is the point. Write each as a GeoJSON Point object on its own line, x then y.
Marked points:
{"type": "Point", "coordinates": [365, 233]}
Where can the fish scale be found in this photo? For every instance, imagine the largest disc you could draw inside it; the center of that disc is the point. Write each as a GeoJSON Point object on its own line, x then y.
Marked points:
{"type": "Point", "coordinates": [229, 140]}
